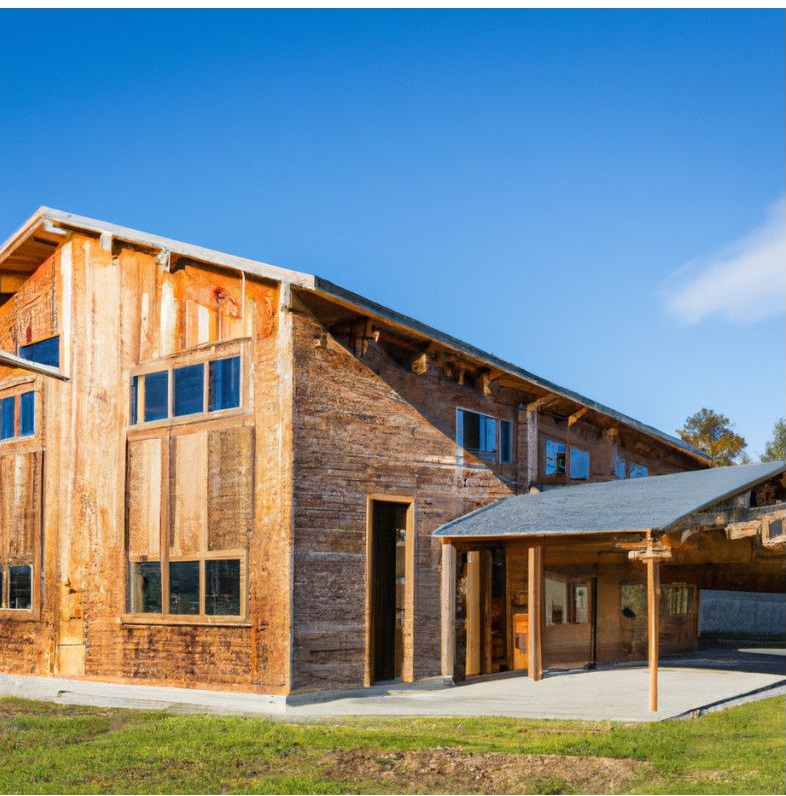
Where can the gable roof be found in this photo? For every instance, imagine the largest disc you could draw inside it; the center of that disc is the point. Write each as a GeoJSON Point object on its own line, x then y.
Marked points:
{"type": "Point", "coordinates": [46, 221]}
{"type": "Point", "coordinates": [638, 504]}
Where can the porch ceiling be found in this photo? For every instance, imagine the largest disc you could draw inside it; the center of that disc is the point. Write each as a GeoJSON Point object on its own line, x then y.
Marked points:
{"type": "Point", "coordinates": [639, 504]}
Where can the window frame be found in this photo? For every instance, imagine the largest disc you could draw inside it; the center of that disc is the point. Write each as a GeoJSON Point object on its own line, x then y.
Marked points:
{"type": "Point", "coordinates": [560, 477]}
{"type": "Point", "coordinates": [484, 456]}
{"type": "Point", "coordinates": [16, 390]}
{"type": "Point", "coordinates": [622, 463]}
{"type": "Point", "coordinates": [165, 616]}
{"type": "Point", "coordinates": [203, 354]}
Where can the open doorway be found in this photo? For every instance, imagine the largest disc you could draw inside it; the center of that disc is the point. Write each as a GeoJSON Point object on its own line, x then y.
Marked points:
{"type": "Point", "coordinates": [388, 533]}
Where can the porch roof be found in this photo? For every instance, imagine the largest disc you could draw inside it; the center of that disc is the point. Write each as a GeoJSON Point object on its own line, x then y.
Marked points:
{"type": "Point", "coordinates": [639, 504]}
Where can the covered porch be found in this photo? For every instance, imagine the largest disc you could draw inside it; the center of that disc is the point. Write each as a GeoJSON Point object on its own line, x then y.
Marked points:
{"type": "Point", "coordinates": [605, 572]}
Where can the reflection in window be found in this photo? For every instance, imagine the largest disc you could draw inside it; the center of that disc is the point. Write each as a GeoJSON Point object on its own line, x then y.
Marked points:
{"type": "Point", "coordinates": [627, 469]}
{"type": "Point", "coordinates": [189, 386]}
{"type": "Point", "coordinates": [20, 587]}
{"type": "Point", "coordinates": [676, 599]}
{"type": "Point", "coordinates": [579, 464]}
{"type": "Point", "coordinates": [222, 586]}
{"type": "Point", "coordinates": [224, 386]}
{"type": "Point", "coordinates": [7, 429]}
{"type": "Point", "coordinates": [505, 441]}
{"type": "Point", "coordinates": [44, 352]}
{"type": "Point", "coordinates": [134, 399]}
{"type": "Point", "coordinates": [555, 458]}
{"type": "Point", "coordinates": [637, 470]}
{"type": "Point", "coordinates": [27, 414]}
{"type": "Point", "coordinates": [489, 439]}
{"type": "Point", "coordinates": [184, 587]}
{"type": "Point", "coordinates": [145, 587]}
{"type": "Point", "coordinates": [567, 602]}
{"type": "Point", "coordinates": [157, 395]}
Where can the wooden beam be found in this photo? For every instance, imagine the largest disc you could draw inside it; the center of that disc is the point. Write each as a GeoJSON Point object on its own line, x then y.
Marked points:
{"type": "Point", "coordinates": [535, 611]}
{"type": "Point", "coordinates": [653, 626]}
{"type": "Point", "coordinates": [473, 613]}
{"type": "Point", "coordinates": [576, 416]}
{"type": "Point", "coordinates": [448, 609]}
{"type": "Point", "coordinates": [532, 443]}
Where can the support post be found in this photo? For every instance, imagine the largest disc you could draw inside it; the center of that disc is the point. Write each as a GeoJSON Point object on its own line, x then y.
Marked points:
{"type": "Point", "coordinates": [473, 613]}
{"type": "Point", "coordinates": [653, 627]}
{"type": "Point", "coordinates": [448, 610]}
{"type": "Point", "coordinates": [535, 611]}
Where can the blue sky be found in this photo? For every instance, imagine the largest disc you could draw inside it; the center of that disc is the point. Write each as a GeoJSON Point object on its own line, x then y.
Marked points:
{"type": "Point", "coordinates": [593, 195]}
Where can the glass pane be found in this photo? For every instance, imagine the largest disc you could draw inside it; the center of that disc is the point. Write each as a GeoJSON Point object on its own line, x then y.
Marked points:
{"type": "Point", "coordinates": [556, 602]}
{"type": "Point", "coordinates": [157, 395]}
{"type": "Point", "coordinates": [27, 414]}
{"type": "Point", "coordinates": [471, 424]}
{"type": "Point", "coordinates": [134, 399]}
{"type": "Point", "coordinates": [20, 587]}
{"type": "Point", "coordinates": [184, 587]}
{"type": "Point", "coordinates": [7, 418]}
{"type": "Point", "coordinates": [638, 471]}
{"type": "Point", "coordinates": [555, 458]}
{"type": "Point", "coordinates": [620, 467]}
{"type": "Point", "coordinates": [489, 425]}
{"type": "Point", "coordinates": [633, 600]}
{"type": "Point", "coordinates": [222, 587]}
{"type": "Point", "coordinates": [145, 587]}
{"type": "Point", "coordinates": [224, 387]}
{"type": "Point", "coordinates": [506, 441]}
{"type": "Point", "coordinates": [189, 390]}
{"type": "Point", "coordinates": [579, 464]}
{"type": "Point", "coordinates": [580, 603]}
{"type": "Point", "coordinates": [45, 352]}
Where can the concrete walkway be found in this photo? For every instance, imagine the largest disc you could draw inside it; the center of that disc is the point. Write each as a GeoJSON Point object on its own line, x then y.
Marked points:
{"type": "Point", "coordinates": [617, 693]}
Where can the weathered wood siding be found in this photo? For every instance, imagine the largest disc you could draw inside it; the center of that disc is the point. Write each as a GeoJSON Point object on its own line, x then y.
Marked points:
{"type": "Point", "coordinates": [371, 428]}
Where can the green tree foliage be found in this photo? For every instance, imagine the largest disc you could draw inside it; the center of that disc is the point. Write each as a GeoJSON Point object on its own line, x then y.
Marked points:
{"type": "Point", "coordinates": [775, 449]}
{"type": "Point", "coordinates": [713, 434]}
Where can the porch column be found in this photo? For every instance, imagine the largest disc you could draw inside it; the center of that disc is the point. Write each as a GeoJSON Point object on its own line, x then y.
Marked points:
{"type": "Point", "coordinates": [535, 611]}
{"type": "Point", "coordinates": [473, 613]}
{"type": "Point", "coordinates": [448, 609]}
{"type": "Point", "coordinates": [653, 626]}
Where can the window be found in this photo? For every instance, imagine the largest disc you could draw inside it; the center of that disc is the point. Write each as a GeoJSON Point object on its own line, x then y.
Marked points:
{"type": "Point", "coordinates": [187, 535]}
{"type": "Point", "coordinates": [44, 352]}
{"type": "Point", "coordinates": [16, 587]}
{"type": "Point", "coordinates": [676, 599]}
{"type": "Point", "coordinates": [560, 460]}
{"type": "Point", "coordinates": [181, 391]}
{"type": "Point", "coordinates": [627, 469]}
{"type": "Point", "coordinates": [775, 529]}
{"type": "Point", "coordinates": [567, 601]}
{"type": "Point", "coordinates": [17, 415]}
{"type": "Point", "coordinates": [489, 439]}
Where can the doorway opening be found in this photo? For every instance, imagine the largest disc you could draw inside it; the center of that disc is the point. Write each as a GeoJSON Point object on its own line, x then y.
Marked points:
{"type": "Point", "coordinates": [387, 588]}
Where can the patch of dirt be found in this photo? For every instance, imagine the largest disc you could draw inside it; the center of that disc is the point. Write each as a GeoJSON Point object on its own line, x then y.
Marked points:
{"type": "Point", "coordinates": [452, 770]}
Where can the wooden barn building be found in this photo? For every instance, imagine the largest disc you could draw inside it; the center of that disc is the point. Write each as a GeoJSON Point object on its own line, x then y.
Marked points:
{"type": "Point", "coordinates": [219, 473]}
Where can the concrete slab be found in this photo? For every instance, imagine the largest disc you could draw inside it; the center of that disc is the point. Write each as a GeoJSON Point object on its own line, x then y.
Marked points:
{"type": "Point", "coordinates": [688, 686]}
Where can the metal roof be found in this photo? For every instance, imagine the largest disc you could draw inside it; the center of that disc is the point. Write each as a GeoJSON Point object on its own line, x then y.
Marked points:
{"type": "Point", "coordinates": [637, 504]}
{"type": "Point", "coordinates": [323, 287]}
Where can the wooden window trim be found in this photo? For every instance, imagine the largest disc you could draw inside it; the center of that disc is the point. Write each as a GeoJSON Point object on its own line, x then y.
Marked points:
{"type": "Point", "coordinates": [498, 420]}
{"type": "Point", "coordinates": [203, 354]}
{"type": "Point", "coordinates": [561, 478]}
{"type": "Point", "coordinates": [15, 390]}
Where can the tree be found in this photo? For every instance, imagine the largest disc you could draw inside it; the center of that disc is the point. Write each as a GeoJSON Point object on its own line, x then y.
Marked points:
{"type": "Point", "coordinates": [712, 433]}
{"type": "Point", "coordinates": [775, 449]}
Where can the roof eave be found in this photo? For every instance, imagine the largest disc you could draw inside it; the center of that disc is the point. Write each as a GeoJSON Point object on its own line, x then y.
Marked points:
{"type": "Point", "coordinates": [330, 290]}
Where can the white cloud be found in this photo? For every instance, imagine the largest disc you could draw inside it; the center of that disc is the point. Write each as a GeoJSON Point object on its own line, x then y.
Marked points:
{"type": "Point", "coordinates": [745, 281]}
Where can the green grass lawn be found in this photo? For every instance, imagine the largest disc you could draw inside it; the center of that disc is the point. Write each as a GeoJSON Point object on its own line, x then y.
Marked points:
{"type": "Point", "coordinates": [48, 748]}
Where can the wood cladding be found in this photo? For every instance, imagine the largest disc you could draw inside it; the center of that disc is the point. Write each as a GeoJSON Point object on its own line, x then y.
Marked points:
{"type": "Point", "coordinates": [326, 425]}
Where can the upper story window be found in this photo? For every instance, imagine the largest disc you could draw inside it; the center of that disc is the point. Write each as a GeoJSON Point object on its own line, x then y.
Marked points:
{"type": "Point", "coordinates": [44, 352]}
{"type": "Point", "coordinates": [562, 459]}
{"type": "Point", "coordinates": [183, 390]}
{"type": "Point", "coordinates": [623, 468]}
{"type": "Point", "coordinates": [17, 415]}
{"type": "Point", "coordinates": [486, 437]}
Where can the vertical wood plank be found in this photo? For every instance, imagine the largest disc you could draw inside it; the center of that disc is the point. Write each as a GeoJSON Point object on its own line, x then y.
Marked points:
{"type": "Point", "coordinates": [189, 534]}
{"type": "Point", "coordinates": [448, 609]}
{"type": "Point", "coordinates": [535, 610]}
{"type": "Point", "coordinates": [473, 613]}
{"type": "Point", "coordinates": [653, 629]}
